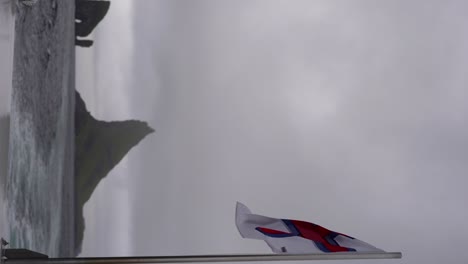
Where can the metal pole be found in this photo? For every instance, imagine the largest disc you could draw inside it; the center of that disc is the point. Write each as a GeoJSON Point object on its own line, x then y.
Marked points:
{"type": "Point", "coordinates": [210, 258]}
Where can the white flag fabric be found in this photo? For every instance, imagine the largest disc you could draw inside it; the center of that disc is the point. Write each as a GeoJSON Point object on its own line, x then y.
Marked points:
{"type": "Point", "coordinates": [294, 236]}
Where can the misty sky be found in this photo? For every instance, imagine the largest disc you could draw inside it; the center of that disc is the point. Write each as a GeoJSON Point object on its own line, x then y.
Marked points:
{"type": "Point", "coordinates": [349, 114]}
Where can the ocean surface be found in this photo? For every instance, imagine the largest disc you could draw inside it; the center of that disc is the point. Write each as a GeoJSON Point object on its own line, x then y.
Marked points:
{"type": "Point", "coordinates": [39, 184]}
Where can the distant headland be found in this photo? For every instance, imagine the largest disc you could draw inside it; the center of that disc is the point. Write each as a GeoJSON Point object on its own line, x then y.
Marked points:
{"type": "Point", "coordinates": [99, 147]}
{"type": "Point", "coordinates": [88, 14]}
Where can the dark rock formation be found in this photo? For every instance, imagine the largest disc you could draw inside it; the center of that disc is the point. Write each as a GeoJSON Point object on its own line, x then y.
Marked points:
{"type": "Point", "coordinates": [99, 146]}
{"type": "Point", "coordinates": [85, 43]}
{"type": "Point", "coordinates": [88, 14]}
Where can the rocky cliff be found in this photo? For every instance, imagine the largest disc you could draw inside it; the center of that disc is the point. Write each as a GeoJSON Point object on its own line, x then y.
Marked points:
{"type": "Point", "coordinates": [99, 146]}
{"type": "Point", "coordinates": [88, 14]}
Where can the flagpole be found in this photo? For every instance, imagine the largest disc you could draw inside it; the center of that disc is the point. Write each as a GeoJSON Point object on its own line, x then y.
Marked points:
{"type": "Point", "coordinates": [210, 258]}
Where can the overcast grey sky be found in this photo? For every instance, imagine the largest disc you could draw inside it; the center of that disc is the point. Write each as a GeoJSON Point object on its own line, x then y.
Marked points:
{"type": "Point", "coordinates": [349, 114]}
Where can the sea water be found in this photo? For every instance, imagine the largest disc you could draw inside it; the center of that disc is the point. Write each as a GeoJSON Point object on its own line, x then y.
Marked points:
{"type": "Point", "coordinates": [39, 185]}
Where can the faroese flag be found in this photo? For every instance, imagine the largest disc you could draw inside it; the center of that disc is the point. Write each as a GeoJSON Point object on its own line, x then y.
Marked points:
{"type": "Point", "coordinates": [296, 237]}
